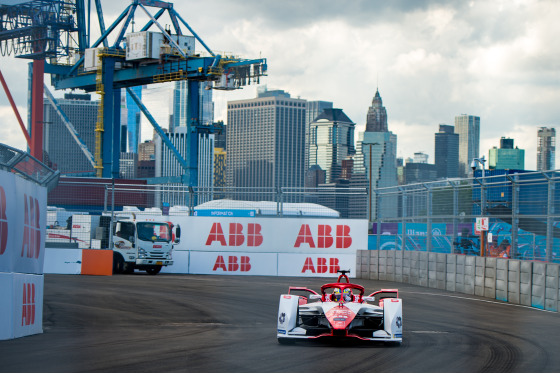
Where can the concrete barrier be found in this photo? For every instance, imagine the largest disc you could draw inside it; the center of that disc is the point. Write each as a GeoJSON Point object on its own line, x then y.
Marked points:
{"type": "Point", "coordinates": [529, 283]}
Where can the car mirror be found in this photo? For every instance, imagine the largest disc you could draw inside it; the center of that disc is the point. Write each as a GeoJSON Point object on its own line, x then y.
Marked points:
{"type": "Point", "coordinates": [369, 298]}
{"type": "Point", "coordinates": [314, 297]}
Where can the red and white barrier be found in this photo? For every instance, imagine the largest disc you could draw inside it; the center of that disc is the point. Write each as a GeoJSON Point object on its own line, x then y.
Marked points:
{"type": "Point", "coordinates": [23, 206]}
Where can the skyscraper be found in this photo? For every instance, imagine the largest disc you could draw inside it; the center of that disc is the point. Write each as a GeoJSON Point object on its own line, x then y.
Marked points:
{"type": "Point", "coordinates": [506, 157]}
{"type": "Point", "coordinates": [180, 107]}
{"type": "Point", "coordinates": [546, 148]}
{"type": "Point", "coordinates": [312, 110]}
{"type": "Point", "coordinates": [266, 141]}
{"type": "Point", "coordinates": [375, 163]}
{"type": "Point", "coordinates": [62, 150]}
{"type": "Point", "coordinates": [377, 115]}
{"type": "Point", "coordinates": [446, 152]}
{"type": "Point", "coordinates": [134, 123]}
{"type": "Point", "coordinates": [331, 141]}
{"type": "Point", "coordinates": [468, 128]}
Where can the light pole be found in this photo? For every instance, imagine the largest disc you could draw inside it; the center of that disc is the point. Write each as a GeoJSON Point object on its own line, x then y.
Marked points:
{"type": "Point", "coordinates": [370, 180]}
{"type": "Point", "coordinates": [483, 233]}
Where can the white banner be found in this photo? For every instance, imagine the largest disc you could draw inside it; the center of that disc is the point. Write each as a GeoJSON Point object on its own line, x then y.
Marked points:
{"type": "Point", "coordinates": [7, 219]}
{"type": "Point", "coordinates": [63, 261]}
{"type": "Point", "coordinates": [28, 304]}
{"type": "Point", "coordinates": [30, 224]}
{"type": "Point", "coordinates": [271, 234]}
{"type": "Point", "coordinates": [313, 265]}
{"type": "Point", "coordinates": [237, 263]}
{"type": "Point", "coordinates": [6, 306]}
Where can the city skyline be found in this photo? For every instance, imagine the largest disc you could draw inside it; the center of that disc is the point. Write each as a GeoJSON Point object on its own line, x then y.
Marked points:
{"type": "Point", "coordinates": [431, 60]}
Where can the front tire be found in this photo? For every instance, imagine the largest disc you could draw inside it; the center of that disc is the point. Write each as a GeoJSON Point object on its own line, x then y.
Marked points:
{"type": "Point", "coordinates": [153, 270]}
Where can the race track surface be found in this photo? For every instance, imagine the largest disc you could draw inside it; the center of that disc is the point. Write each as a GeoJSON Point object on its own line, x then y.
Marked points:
{"type": "Point", "coordinates": [197, 323]}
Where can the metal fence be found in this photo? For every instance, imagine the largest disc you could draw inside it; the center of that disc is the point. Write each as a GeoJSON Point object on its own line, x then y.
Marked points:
{"type": "Point", "coordinates": [522, 210]}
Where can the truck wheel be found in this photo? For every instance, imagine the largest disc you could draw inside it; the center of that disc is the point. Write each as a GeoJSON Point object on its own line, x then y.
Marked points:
{"type": "Point", "coordinates": [118, 263]}
{"type": "Point", "coordinates": [153, 270]}
{"type": "Point", "coordinates": [128, 268]}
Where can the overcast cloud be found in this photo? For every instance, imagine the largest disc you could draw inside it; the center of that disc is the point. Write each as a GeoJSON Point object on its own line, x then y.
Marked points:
{"type": "Point", "coordinates": [432, 60]}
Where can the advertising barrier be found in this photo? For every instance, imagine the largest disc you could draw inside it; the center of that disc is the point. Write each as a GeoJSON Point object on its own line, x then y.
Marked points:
{"type": "Point", "coordinates": [23, 215]}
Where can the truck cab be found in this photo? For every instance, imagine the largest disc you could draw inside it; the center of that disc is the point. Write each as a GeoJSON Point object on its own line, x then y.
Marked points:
{"type": "Point", "coordinates": [143, 245]}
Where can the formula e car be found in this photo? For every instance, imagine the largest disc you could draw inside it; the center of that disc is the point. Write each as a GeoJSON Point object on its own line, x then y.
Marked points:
{"type": "Point", "coordinates": [340, 310]}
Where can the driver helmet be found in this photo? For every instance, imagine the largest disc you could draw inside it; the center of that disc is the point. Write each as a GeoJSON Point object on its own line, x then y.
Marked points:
{"type": "Point", "coordinates": [347, 294]}
{"type": "Point", "coordinates": [336, 294]}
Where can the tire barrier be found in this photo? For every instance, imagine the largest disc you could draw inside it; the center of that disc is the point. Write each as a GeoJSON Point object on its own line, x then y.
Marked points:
{"type": "Point", "coordinates": [529, 283]}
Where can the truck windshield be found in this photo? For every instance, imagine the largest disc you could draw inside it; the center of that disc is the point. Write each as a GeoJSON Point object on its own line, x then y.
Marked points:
{"type": "Point", "coordinates": [155, 232]}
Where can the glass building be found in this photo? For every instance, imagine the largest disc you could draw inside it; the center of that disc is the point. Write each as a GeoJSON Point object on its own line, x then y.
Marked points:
{"type": "Point", "coordinates": [61, 149]}
{"type": "Point", "coordinates": [266, 142]}
{"type": "Point", "coordinates": [312, 111]}
{"type": "Point", "coordinates": [446, 152]}
{"type": "Point", "coordinates": [506, 157]}
{"type": "Point", "coordinates": [331, 141]}
{"type": "Point", "coordinates": [133, 120]}
{"type": "Point", "coordinates": [468, 128]}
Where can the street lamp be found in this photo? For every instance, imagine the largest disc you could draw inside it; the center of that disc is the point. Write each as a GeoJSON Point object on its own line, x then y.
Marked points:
{"type": "Point", "coordinates": [370, 178]}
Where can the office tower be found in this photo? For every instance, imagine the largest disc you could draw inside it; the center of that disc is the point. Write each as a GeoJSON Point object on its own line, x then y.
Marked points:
{"type": "Point", "coordinates": [124, 121]}
{"type": "Point", "coordinates": [331, 141]}
{"type": "Point", "coordinates": [468, 128]}
{"type": "Point", "coordinates": [447, 152]}
{"type": "Point", "coordinates": [167, 164]}
{"type": "Point", "coordinates": [266, 141]}
{"type": "Point", "coordinates": [420, 158]}
{"type": "Point", "coordinates": [128, 165]}
{"type": "Point", "coordinates": [147, 151]}
{"type": "Point", "coordinates": [134, 123]}
{"type": "Point", "coordinates": [375, 164]}
{"type": "Point", "coordinates": [312, 110]}
{"type": "Point", "coordinates": [506, 157]}
{"type": "Point", "coordinates": [376, 120]}
{"type": "Point", "coordinates": [220, 162]}
{"type": "Point", "coordinates": [146, 169]}
{"type": "Point", "coordinates": [63, 151]}
{"type": "Point", "coordinates": [418, 172]}
{"type": "Point", "coordinates": [180, 107]}
{"type": "Point", "coordinates": [546, 148]}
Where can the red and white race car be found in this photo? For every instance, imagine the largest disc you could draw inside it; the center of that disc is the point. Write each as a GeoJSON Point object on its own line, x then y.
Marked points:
{"type": "Point", "coordinates": [340, 310]}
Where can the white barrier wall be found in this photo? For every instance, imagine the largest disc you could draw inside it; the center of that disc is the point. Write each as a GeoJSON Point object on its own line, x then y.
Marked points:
{"type": "Point", "coordinates": [529, 283]}
{"type": "Point", "coordinates": [23, 207]}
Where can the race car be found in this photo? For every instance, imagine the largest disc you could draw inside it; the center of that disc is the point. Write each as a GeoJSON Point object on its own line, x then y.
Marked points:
{"type": "Point", "coordinates": [340, 310]}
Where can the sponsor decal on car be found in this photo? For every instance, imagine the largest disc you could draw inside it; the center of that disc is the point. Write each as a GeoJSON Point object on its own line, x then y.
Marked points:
{"type": "Point", "coordinates": [282, 318]}
{"type": "Point", "coordinates": [282, 332]}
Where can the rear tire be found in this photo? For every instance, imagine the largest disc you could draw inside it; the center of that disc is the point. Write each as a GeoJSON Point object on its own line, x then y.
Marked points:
{"type": "Point", "coordinates": [153, 270]}
{"type": "Point", "coordinates": [118, 263]}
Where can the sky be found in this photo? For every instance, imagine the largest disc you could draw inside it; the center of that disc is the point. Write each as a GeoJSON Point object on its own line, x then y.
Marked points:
{"type": "Point", "coordinates": [430, 61]}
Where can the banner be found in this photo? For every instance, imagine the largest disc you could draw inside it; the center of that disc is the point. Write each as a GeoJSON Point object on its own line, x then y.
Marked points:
{"type": "Point", "coordinates": [257, 234]}
{"type": "Point", "coordinates": [236, 263]}
{"type": "Point", "coordinates": [312, 265]}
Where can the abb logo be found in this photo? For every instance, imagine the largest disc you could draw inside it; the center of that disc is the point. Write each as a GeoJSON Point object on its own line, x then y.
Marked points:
{"type": "Point", "coordinates": [322, 265]}
{"type": "Point", "coordinates": [242, 264]}
{"type": "Point", "coordinates": [325, 238]}
{"type": "Point", "coordinates": [3, 222]}
{"type": "Point", "coordinates": [31, 229]}
{"type": "Point", "coordinates": [236, 236]}
{"type": "Point", "coordinates": [28, 305]}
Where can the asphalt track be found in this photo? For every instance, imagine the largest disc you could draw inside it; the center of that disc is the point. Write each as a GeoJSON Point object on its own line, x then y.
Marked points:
{"type": "Point", "coordinates": [196, 323]}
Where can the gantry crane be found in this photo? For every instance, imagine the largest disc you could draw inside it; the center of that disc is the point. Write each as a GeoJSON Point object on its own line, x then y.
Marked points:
{"type": "Point", "coordinates": [121, 64]}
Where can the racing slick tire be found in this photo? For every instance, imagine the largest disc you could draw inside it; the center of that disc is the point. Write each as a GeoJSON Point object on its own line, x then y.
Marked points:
{"type": "Point", "coordinates": [286, 341]}
{"type": "Point", "coordinates": [153, 270]}
{"type": "Point", "coordinates": [118, 263]}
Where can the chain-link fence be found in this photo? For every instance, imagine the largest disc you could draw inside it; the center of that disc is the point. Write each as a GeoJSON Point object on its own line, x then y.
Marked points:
{"type": "Point", "coordinates": [441, 216]}
{"type": "Point", "coordinates": [437, 217]}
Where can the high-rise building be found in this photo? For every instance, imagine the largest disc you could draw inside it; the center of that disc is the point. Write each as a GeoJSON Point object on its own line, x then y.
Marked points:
{"type": "Point", "coordinates": [468, 128]}
{"type": "Point", "coordinates": [128, 165]}
{"type": "Point", "coordinates": [312, 110]}
{"type": "Point", "coordinates": [167, 164]}
{"type": "Point", "coordinates": [447, 152]}
{"type": "Point", "coordinates": [331, 141]}
{"type": "Point", "coordinates": [506, 157]}
{"type": "Point", "coordinates": [62, 150]}
{"type": "Point", "coordinates": [376, 120]}
{"type": "Point", "coordinates": [180, 105]}
{"type": "Point", "coordinates": [134, 123]}
{"type": "Point", "coordinates": [375, 163]}
{"type": "Point", "coordinates": [147, 151]}
{"type": "Point", "coordinates": [418, 172]}
{"type": "Point", "coordinates": [266, 141]}
{"type": "Point", "coordinates": [546, 148]}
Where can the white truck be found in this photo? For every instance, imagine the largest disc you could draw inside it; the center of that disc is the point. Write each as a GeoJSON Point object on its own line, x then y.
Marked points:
{"type": "Point", "coordinates": [143, 244]}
